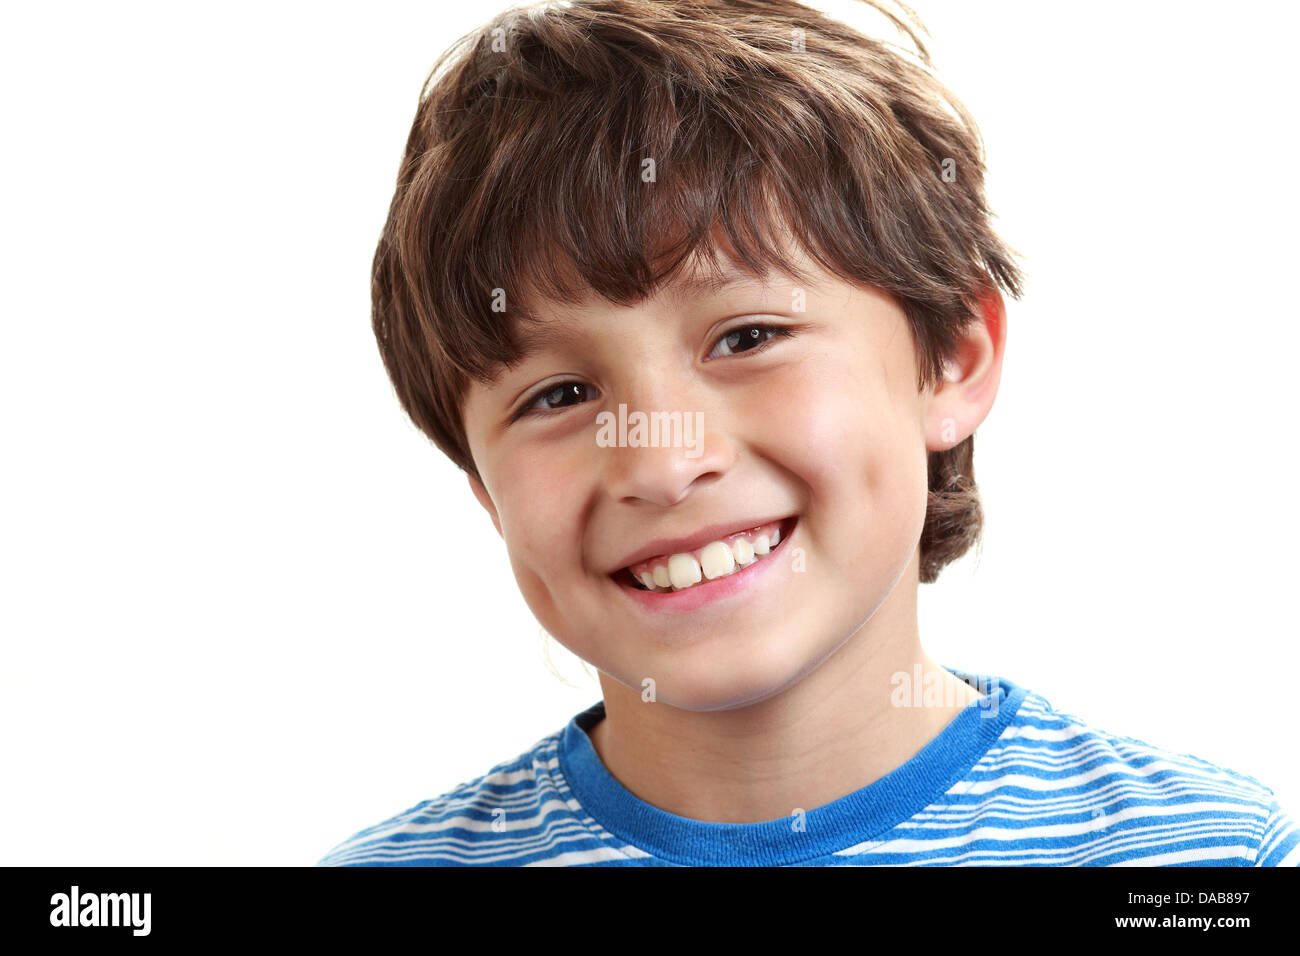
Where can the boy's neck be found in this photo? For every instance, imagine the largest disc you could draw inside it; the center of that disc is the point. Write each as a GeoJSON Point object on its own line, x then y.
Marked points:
{"type": "Point", "coordinates": [835, 731]}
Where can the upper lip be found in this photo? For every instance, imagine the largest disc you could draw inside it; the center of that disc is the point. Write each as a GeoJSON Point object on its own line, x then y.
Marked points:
{"type": "Point", "coordinates": [714, 532]}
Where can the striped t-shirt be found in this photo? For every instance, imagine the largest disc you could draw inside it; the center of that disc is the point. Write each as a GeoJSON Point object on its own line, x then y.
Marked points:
{"type": "Point", "coordinates": [1009, 781]}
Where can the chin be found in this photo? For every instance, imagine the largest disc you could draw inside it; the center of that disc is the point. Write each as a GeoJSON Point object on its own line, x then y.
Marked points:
{"type": "Point", "coordinates": [737, 680]}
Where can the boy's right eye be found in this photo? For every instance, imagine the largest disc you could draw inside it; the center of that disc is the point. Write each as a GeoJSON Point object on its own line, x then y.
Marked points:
{"type": "Point", "coordinates": [556, 398]}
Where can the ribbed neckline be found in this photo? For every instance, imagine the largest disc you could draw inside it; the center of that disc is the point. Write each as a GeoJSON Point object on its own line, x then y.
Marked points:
{"type": "Point", "coordinates": [852, 819]}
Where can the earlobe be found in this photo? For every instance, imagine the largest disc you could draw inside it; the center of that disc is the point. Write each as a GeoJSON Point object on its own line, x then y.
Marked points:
{"type": "Point", "coordinates": [970, 379]}
{"type": "Point", "coordinates": [485, 500]}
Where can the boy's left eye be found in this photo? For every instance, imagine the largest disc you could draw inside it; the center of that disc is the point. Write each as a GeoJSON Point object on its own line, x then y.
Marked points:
{"type": "Point", "coordinates": [748, 338]}
{"type": "Point", "coordinates": [742, 339]}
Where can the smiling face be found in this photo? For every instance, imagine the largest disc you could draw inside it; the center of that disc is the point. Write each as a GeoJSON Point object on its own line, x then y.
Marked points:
{"type": "Point", "coordinates": [810, 417]}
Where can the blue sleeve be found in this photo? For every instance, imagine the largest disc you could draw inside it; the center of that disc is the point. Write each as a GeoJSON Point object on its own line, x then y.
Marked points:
{"type": "Point", "coordinates": [1280, 845]}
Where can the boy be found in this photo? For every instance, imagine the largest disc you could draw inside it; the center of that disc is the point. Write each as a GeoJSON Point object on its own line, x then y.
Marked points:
{"type": "Point", "coordinates": [705, 300]}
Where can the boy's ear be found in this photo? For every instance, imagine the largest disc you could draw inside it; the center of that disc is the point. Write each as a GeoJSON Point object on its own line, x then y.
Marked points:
{"type": "Point", "coordinates": [483, 498]}
{"type": "Point", "coordinates": [964, 396]}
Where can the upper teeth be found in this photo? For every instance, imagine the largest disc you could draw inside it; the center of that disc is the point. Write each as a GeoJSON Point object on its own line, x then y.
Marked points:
{"type": "Point", "coordinates": [715, 560]}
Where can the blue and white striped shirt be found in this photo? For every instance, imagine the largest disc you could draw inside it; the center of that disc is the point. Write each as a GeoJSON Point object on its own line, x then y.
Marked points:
{"type": "Point", "coordinates": [1009, 781]}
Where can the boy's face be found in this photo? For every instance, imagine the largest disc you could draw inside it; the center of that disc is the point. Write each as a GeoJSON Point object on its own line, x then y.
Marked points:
{"type": "Point", "coordinates": [825, 428]}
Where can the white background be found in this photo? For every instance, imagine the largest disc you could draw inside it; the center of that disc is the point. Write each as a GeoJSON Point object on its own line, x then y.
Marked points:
{"type": "Point", "coordinates": [248, 609]}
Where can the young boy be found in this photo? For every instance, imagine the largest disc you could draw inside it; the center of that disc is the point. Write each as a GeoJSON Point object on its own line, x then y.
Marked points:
{"type": "Point", "coordinates": [705, 300]}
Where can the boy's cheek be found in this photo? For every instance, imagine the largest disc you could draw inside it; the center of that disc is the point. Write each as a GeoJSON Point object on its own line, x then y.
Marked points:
{"type": "Point", "coordinates": [852, 447]}
{"type": "Point", "coordinates": [821, 419]}
{"type": "Point", "coordinates": [534, 477]}
{"type": "Point", "coordinates": [538, 532]}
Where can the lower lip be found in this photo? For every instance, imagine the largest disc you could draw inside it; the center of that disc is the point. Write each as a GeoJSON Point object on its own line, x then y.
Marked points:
{"type": "Point", "coordinates": [698, 595]}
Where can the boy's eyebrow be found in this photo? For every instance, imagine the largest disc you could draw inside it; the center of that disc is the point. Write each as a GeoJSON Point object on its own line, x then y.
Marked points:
{"type": "Point", "coordinates": [709, 284]}
{"type": "Point", "coordinates": [540, 336]}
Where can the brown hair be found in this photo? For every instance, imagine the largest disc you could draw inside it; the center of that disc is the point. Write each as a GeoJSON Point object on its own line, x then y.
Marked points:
{"type": "Point", "coordinates": [523, 173]}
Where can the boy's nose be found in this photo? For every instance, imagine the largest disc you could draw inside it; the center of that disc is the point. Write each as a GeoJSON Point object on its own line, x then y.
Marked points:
{"type": "Point", "coordinates": [661, 452]}
{"type": "Point", "coordinates": [659, 476]}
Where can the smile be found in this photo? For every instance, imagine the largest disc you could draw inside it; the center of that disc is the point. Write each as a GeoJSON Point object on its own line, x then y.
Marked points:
{"type": "Point", "coordinates": [727, 557]}
{"type": "Point", "coordinates": [717, 559]}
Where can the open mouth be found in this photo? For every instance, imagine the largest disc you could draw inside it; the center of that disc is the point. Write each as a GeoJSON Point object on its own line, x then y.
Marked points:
{"type": "Point", "coordinates": [731, 555]}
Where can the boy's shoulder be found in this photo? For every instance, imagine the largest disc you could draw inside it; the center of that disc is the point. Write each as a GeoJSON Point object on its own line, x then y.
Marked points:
{"type": "Point", "coordinates": [518, 813]}
{"type": "Point", "coordinates": [1152, 806]}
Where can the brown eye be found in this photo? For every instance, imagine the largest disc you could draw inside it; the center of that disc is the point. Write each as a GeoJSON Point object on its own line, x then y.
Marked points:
{"type": "Point", "coordinates": [751, 338]}
{"type": "Point", "coordinates": [562, 395]}
{"type": "Point", "coordinates": [557, 398]}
